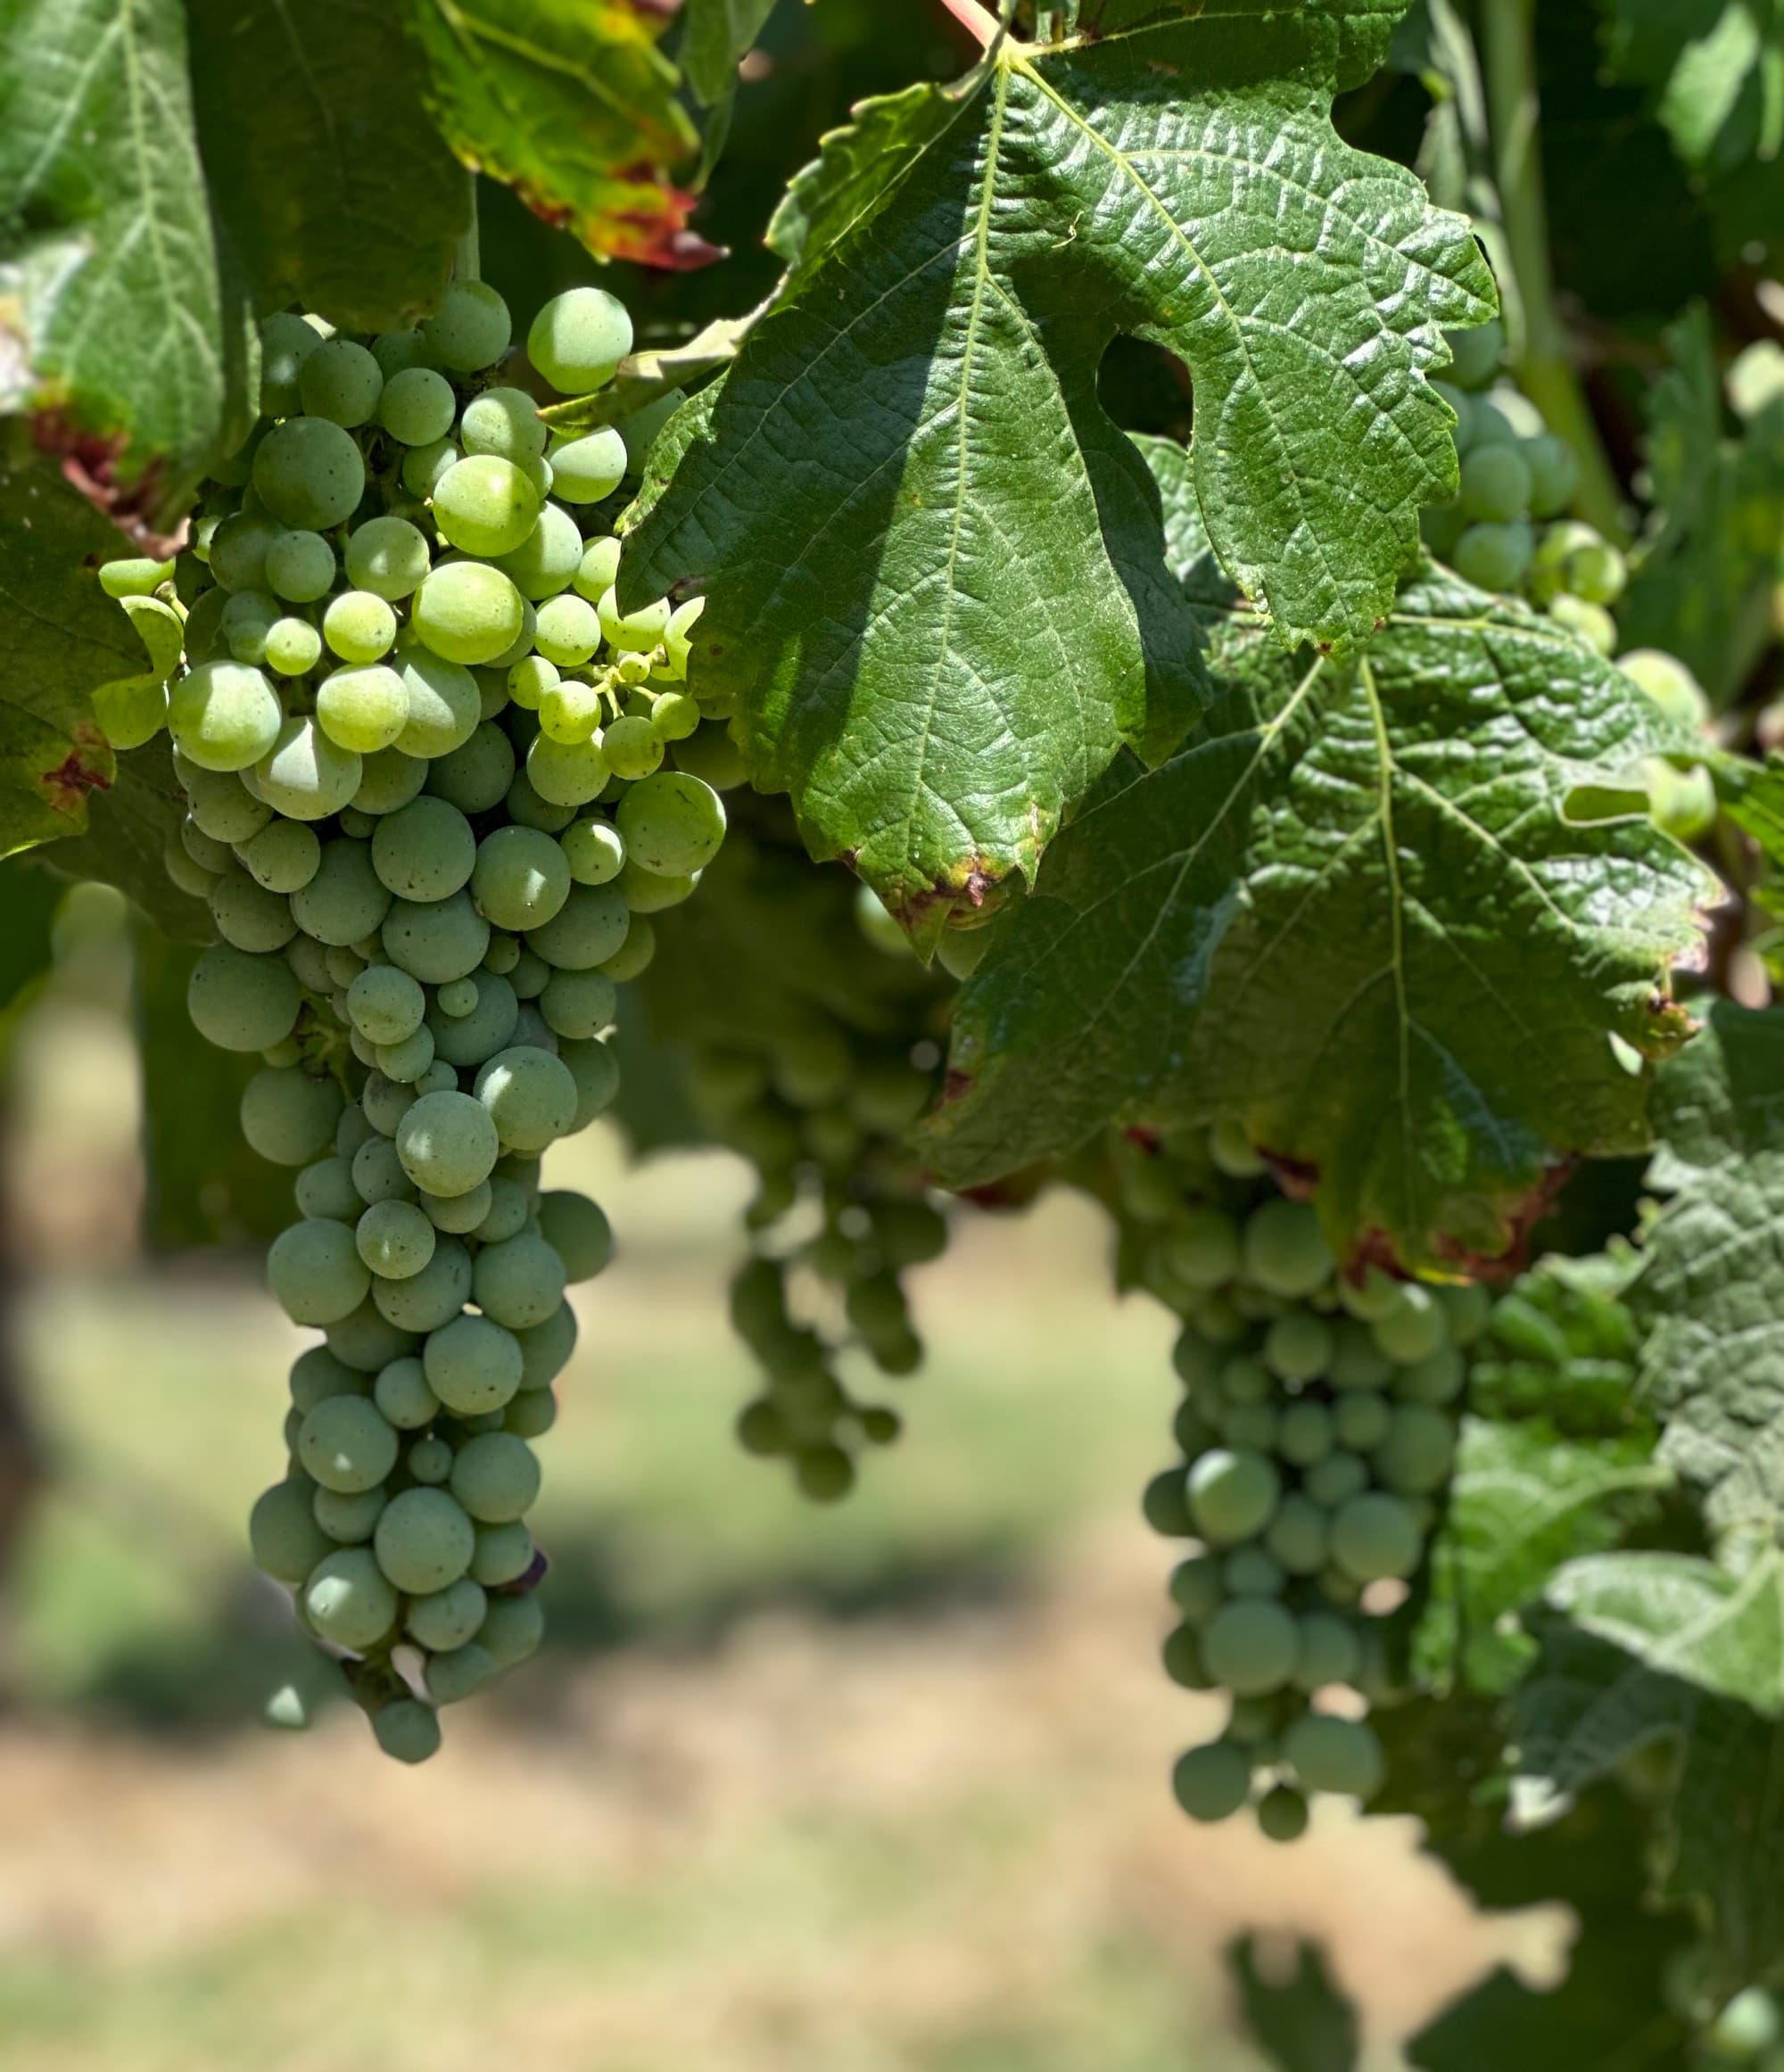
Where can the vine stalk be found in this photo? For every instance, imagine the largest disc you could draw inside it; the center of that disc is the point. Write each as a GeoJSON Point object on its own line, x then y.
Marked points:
{"type": "Point", "coordinates": [1545, 369]}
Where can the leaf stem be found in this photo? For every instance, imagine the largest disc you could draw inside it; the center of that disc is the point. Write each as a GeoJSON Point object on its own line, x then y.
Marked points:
{"type": "Point", "coordinates": [1541, 354]}
{"type": "Point", "coordinates": [980, 25]}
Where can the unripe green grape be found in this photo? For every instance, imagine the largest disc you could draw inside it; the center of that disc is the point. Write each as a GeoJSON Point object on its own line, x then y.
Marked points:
{"type": "Point", "coordinates": [347, 1600]}
{"type": "Point", "coordinates": [396, 350]}
{"type": "Point", "coordinates": [531, 809]}
{"type": "Point", "coordinates": [1245, 1380]}
{"type": "Point", "coordinates": [1681, 803]}
{"type": "Point", "coordinates": [504, 1553]}
{"type": "Point", "coordinates": [402, 1395]}
{"type": "Point", "coordinates": [458, 998]}
{"type": "Point", "coordinates": [1554, 475]}
{"type": "Point", "coordinates": [304, 775]}
{"type": "Point", "coordinates": [468, 1039]}
{"type": "Point", "coordinates": [468, 612]}
{"type": "Point", "coordinates": [1360, 1420]}
{"type": "Point", "coordinates": [1305, 1433]}
{"type": "Point", "coordinates": [223, 715]}
{"type": "Point", "coordinates": [246, 914]}
{"type": "Point", "coordinates": [416, 407]}
{"type": "Point", "coordinates": [289, 1117]}
{"type": "Point", "coordinates": [532, 1415]}
{"type": "Point", "coordinates": [1197, 1588]}
{"type": "Point", "coordinates": [423, 1541]}
{"type": "Point", "coordinates": [546, 562]}
{"type": "Point", "coordinates": [1438, 1379]}
{"type": "Point", "coordinates": [316, 1274]}
{"type": "Point", "coordinates": [1587, 621]}
{"type": "Point", "coordinates": [326, 1188]}
{"type": "Point", "coordinates": [484, 505]}
{"type": "Point", "coordinates": [367, 1341]}
{"type": "Point", "coordinates": [512, 1629]}
{"type": "Point", "coordinates": [427, 1300]}
{"type": "Point", "coordinates": [1416, 1454]}
{"type": "Point", "coordinates": [632, 750]}
{"type": "Point", "coordinates": [1232, 1495]}
{"type": "Point", "coordinates": [1339, 1476]}
{"type": "Point", "coordinates": [1495, 557]}
{"type": "Point", "coordinates": [362, 709]}
{"type": "Point", "coordinates": [475, 776]}
{"type": "Point", "coordinates": [1475, 355]}
{"type": "Point", "coordinates": [429, 1461]}
{"type": "Point", "coordinates": [300, 567]}
{"type": "Point", "coordinates": [1414, 1328]}
{"type": "Point", "coordinates": [470, 330]}
{"type": "Point", "coordinates": [1298, 1346]}
{"type": "Point", "coordinates": [1251, 1646]}
{"type": "Point", "coordinates": [1669, 684]}
{"type": "Point", "coordinates": [1330, 1652]}
{"type": "Point", "coordinates": [1746, 2026]}
{"type": "Point", "coordinates": [282, 1535]}
{"type": "Point", "coordinates": [387, 557]}
{"type": "Point", "coordinates": [589, 466]}
{"type": "Point", "coordinates": [518, 1282]}
{"type": "Point", "coordinates": [638, 430]}
{"type": "Point", "coordinates": [424, 465]}
{"type": "Point", "coordinates": [545, 1349]}
{"type": "Point", "coordinates": [286, 341]}
{"type": "Point", "coordinates": [1597, 572]}
{"type": "Point", "coordinates": [1254, 1572]}
{"type": "Point", "coordinates": [594, 850]}
{"type": "Point", "coordinates": [447, 1619]}
{"type": "Point", "coordinates": [445, 706]}
{"type": "Point", "coordinates": [385, 1104]}
{"type": "Point", "coordinates": [675, 717]}
{"type": "Point", "coordinates": [346, 1443]}
{"type": "Point", "coordinates": [578, 1004]}
{"type": "Point", "coordinates": [673, 824]}
{"type": "Point", "coordinates": [496, 1478]}
{"type": "Point", "coordinates": [567, 631]}
{"type": "Point", "coordinates": [348, 1520]}
{"type": "Point", "coordinates": [578, 1231]}
{"type": "Point", "coordinates": [1282, 1814]}
{"type": "Point", "coordinates": [529, 976]}
{"type": "Point", "coordinates": [503, 421]}
{"type": "Point", "coordinates": [570, 710]}
{"type": "Point", "coordinates": [448, 1143]}
{"type": "Point", "coordinates": [1212, 1782]}
{"type": "Point", "coordinates": [240, 1001]}
{"type": "Point", "coordinates": [247, 617]}
{"type": "Point", "coordinates": [238, 552]}
{"type": "Point", "coordinates": [1375, 1536]}
{"type": "Point", "coordinates": [578, 339]}
{"type": "Point", "coordinates": [1335, 1755]}
{"type": "Point", "coordinates": [529, 679]}
{"type": "Point", "coordinates": [425, 851]}
{"type": "Point", "coordinates": [359, 627]}
{"type": "Point", "coordinates": [1165, 1505]}
{"type": "Point", "coordinates": [343, 901]}
{"type": "Point", "coordinates": [1285, 1252]}
{"type": "Point", "coordinates": [595, 1068]}
{"type": "Point", "coordinates": [292, 646]}
{"type": "Point", "coordinates": [522, 878]}
{"type": "Point", "coordinates": [587, 930]}
{"type": "Point", "coordinates": [395, 1240]}
{"type": "Point", "coordinates": [309, 474]}
{"type": "Point", "coordinates": [1496, 483]}
{"type": "Point", "coordinates": [436, 940]}
{"type": "Point", "coordinates": [386, 1004]}
{"type": "Point", "coordinates": [1182, 1660]}
{"type": "Point", "coordinates": [341, 382]}
{"type": "Point", "coordinates": [1250, 1426]}
{"type": "Point", "coordinates": [407, 1730]}
{"type": "Point", "coordinates": [1371, 1296]}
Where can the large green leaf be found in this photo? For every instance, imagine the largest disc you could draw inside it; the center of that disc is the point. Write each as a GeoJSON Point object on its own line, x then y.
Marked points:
{"type": "Point", "coordinates": [134, 349]}
{"type": "Point", "coordinates": [1354, 913]}
{"type": "Point", "coordinates": [1707, 575]}
{"type": "Point", "coordinates": [64, 638]}
{"type": "Point", "coordinates": [571, 103]}
{"type": "Point", "coordinates": [1710, 1295]}
{"type": "Point", "coordinates": [931, 565]}
{"type": "Point", "coordinates": [336, 187]}
{"type": "Point", "coordinates": [717, 34]}
{"type": "Point", "coordinates": [1645, 1652]}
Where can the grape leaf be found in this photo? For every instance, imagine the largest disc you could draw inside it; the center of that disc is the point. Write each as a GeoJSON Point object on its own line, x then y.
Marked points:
{"type": "Point", "coordinates": [311, 119]}
{"type": "Point", "coordinates": [128, 827]}
{"type": "Point", "coordinates": [1352, 912]}
{"type": "Point", "coordinates": [1706, 576]}
{"type": "Point", "coordinates": [1710, 1294]}
{"type": "Point", "coordinates": [1644, 1652]}
{"type": "Point", "coordinates": [1300, 2019]}
{"type": "Point", "coordinates": [571, 103]}
{"type": "Point", "coordinates": [920, 537]}
{"type": "Point", "coordinates": [717, 36]}
{"type": "Point", "coordinates": [1716, 70]}
{"type": "Point", "coordinates": [28, 899]}
{"type": "Point", "coordinates": [135, 349]}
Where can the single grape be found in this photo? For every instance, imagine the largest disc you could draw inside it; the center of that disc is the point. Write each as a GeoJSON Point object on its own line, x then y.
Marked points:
{"type": "Point", "coordinates": [282, 1535]}
{"type": "Point", "coordinates": [423, 1541]}
{"type": "Point", "coordinates": [1282, 1814]}
{"type": "Point", "coordinates": [468, 612]}
{"type": "Point", "coordinates": [460, 1214]}
{"type": "Point", "coordinates": [578, 1004]}
{"type": "Point", "coordinates": [496, 1478]}
{"type": "Point", "coordinates": [347, 1600]}
{"type": "Point", "coordinates": [1360, 1420]}
{"type": "Point", "coordinates": [567, 631]}
{"type": "Point", "coordinates": [475, 776]}
{"type": "Point", "coordinates": [594, 850]}
{"type": "Point", "coordinates": [247, 915]}
{"type": "Point", "coordinates": [1374, 1535]}
{"type": "Point", "coordinates": [299, 567]}
{"type": "Point", "coordinates": [558, 778]}
{"type": "Point", "coordinates": [445, 708]}
{"type": "Point", "coordinates": [595, 1068]}
{"type": "Point", "coordinates": [424, 465]}
{"type": "Point", "coordinates": [286, 341]}
{"type": "Point", "coordinates": [386, 1005]}
{"type": "Point", "coordinates": [1251, 1646]}
{"type": "Point", "coordinates": [425, 1301]}
{"type": "Point", "coordinates": [473, 1364]}
{"type": "Point", "coordinates": [1416, 1455]}
{"type": "Point", "coordinates": [341, 382]}
{"type": "Point", "coordinates": [448, 1143]}
{"type": "Point", "coordinates": [587, 930]}
{"type": "Point", "coordinates": [1475, 355]}
{"type": "Point", "coordinates": [365, 1341]}
{"type": "Point", "coordinates": [326, 1188]}
{"type": "Point", "coordinates": [578, 339]}
{"type": "Point", "coordinates": [394, 1239]}
{"type": "Point", "coordinates": [359, 627]}
{"type": "Point", "coordinates": [425, 851]}
{"type": "Point", "coordinates": [305, 775]}
{"type": "Point", "coordinates": [1212, 1782]}
{"type": "Point", "coordinates": [1336, 1755]}
{"type": "Point", "coordinates": [1414, 1328]}
{"type": "Point", "coordinates": [343, 901]}
{"type": "Point", "coordinates": [522, 878]}
{"type": "Point", "coordinates": [387, 557]}
{"type": "Point", "coordinates": [1339, 1476]}
{"type": "Point", "coordinates": [512, 1629]}
{"type": "Point", "coordinates": [407, 1730]}
{"type": "Point", "coordinates": [545, 1349]}
{"type": "Point", "coordinates": [471, 328]}
{"type": "Point", "coordinates": [673, 824]}
{"type": "Point", "coordinates": [447, 1619]}
{"type": "Point", "coordinates": [468, 1039]}
{"type": "Point", "coordinates": [437, 940]}
{"type": "Point", "coordinates": [416, 407]}
{"type": "Point", "coordinates": [502, 421]}
{"type": "Point", "coordinates": [223, 715]}
{"type": "Point", "coordinates": [362, 708]}
{"type": "Point", "coordinates": [520, 1281]}
{"type": "Point", "coordinates": [240, 1001]}
{"type": "Point", "coordinates": [346, 1443]}
{"type": "Point", "coordinates": [309, 474]}
{"type": "Point", "coordinates": [1670, 684]}
{"type": "Point", "coordinates": [1285, 1252]}
{"type": "Point", "coordinates": [1232, 1495]}
{"type": "Point", "coordinates": [429, 1460]}
{"type": "Point", "coordinates": [290, 1117]}
{"type": "Point", "coordinates": [403, 1396]}
{"type": "Point", "coordinates": [348, 1520]}
{"type": "Point", "coordinates": [546, 560]}
{"type": "Point", "coordinates": [588, 466]}
{"type": "Point", "coordinates": [634, 633]}
{"type": "Point", "coordinates": [504, 1553]}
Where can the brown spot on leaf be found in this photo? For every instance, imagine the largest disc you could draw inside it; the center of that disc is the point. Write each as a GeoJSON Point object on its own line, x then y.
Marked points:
{"type": "Point", "coordinates": [1297, 1177]}
{"type": "Point", "coordinates": [87, 767]}
{"type": "Point", "coordinates": [970, 883]}
{"type": "Point", "coordinates": [89, 464]}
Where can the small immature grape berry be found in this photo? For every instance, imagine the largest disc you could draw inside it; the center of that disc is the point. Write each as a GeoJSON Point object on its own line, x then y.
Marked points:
{"type": "Point", "coordinates": [578, 339]}
{"type": "Point", "coordinates": [1212, 1782]}
{"type": "Point", "coordinates": [1282, 1814]}
{"type": "Point", "coordinates": [407, 1730]}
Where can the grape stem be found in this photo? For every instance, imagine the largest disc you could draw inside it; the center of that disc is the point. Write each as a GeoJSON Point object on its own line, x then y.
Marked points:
{"type": "Point", "coordinates": [1539, 350]}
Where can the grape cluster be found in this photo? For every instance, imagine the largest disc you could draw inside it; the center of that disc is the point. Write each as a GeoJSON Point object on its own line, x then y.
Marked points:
{"type": "Point", "coordinates": [423, 749]}
{"type": "Point", "coordinates": [820, 1111]}
{"type": "Point", "coordinates": [1318, 1430]}
{"type": "Point", "coordinates": [1505, 529]}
